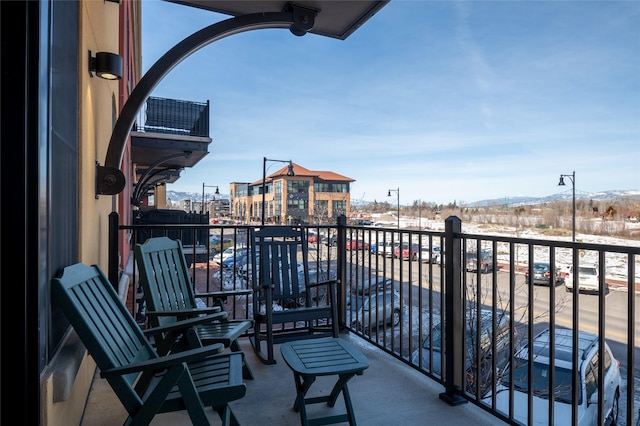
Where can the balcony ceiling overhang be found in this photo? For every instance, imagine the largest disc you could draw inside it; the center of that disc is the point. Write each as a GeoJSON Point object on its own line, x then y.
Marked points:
{"type": "Point", "coordinates": [336, 19]}
{"type": "Point", "coordinates": [178, 152]}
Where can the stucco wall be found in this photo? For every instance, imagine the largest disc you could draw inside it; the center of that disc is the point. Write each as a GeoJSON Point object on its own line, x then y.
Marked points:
{"type": "Point", "coordinates": [67, 379]}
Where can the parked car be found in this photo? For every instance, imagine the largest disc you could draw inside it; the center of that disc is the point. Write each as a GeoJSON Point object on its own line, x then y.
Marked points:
{"type": "Point", "coordinates": [313, 237]}
{"type": "Point", "coordinates": [373, 284]}
{"type": "Point", "coordinates": [471, 261]}
{"type": "Point", "coordinates": [437, 255]}
{"type": "Point", "coordinates": [375, 308]}
{"type": "Point", "coordinates": [588, 278]}
{"type": "Point", "coordinates": [227, 253]}
{"type": "Point", "coordinates": [373, 249]}
{"type": "Point", "coordinates": [236, 261]}
{"type": "Point", "coordinates": [430, 255]}
{"type": "Point", "coordinates": [408, 251]}
{"type": "Point", "coordinates": [219, 244]}
{"type": "Point", "coordinates": [331, 241]}
{"type": "Point", "coordinates": [542, 274]}
{"type": "Point", "coordinates": [357, 245]}
{"type": "Point", "coordinates": [587, 401]}
{"type": "Point", "coordinates": [434, 342]}
{"type": "Point", "coordinates": [385, 248]}
{"type": "Point", "coordinates": [399, 250]}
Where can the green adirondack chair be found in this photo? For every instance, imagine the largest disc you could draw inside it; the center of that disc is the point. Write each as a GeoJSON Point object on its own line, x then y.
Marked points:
{"type": "Point", "coordinates": [146, 383]}
{"type": "Point", "coordinates": [169, 297]}
{"type": "Point", "coordinates": [287, 303]}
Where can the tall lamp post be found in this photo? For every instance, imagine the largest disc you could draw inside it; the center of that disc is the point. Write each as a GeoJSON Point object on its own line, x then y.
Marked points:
{"type": "Point", "coordinates": [208, 186]}
{"type": "Point", "coordinates": [397, 191]}
{"type": "Point", "coordinates": [572, 176]}
{"type": "Point", "coordinates": [264, 180]}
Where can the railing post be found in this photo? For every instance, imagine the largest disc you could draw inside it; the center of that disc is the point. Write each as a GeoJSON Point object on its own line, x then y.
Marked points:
{"type": "Point", "coordinates": [341, 250]}
{"type": "Point", "coordinates": [114, 258]}
{"type": "Point", "coordinates": [453, 313]}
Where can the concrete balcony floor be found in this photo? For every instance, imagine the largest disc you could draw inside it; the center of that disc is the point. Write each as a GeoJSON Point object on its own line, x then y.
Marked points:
{"type": "Point", "coordinates": [389, 393]}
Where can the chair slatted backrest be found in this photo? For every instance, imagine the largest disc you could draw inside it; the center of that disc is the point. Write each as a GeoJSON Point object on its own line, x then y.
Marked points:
{"type": "Point", "coordinates": [107, 329]}
{"type": "Point", "coordinates": [279, 261]}
{"type": "Point", "coordinates": [170, 289]}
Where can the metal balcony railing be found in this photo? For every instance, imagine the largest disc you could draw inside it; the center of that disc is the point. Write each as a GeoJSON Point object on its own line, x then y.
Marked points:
{"type": "Point", "coordinates": [440, 307]}
{"type": "Point", "coordinates": [174, 117]}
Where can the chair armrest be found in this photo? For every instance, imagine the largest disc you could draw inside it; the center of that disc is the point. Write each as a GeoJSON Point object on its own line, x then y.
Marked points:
{"type": "Point", "coordinates": [163, 362]}
{"type": "Point", "coordinates": [328, 282]}
{"type": "Point", "coordinates": [186, 324]}
{"type": "Point", "coordinates": [224, 294]}
{"type": "Point", "coordinates": [183, 314]}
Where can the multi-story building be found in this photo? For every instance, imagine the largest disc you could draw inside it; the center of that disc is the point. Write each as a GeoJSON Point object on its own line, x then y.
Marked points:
{"type": "Point", "coordinates": [307, 197]}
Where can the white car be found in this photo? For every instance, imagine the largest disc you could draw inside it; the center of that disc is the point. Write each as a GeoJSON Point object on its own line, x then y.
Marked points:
{"type": "Point", "coordinates": [388, 249]}
{"type": "Point", "coordinates": [228, 253]}
{"type": "Point", "coordinates": [433, 255]}
{"type": "Point", "coordinates": [588, 278]}
{"type": "Point", "coordinates": [587, 400]}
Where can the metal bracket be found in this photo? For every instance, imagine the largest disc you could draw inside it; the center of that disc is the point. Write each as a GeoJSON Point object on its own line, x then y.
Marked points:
{"type": "Point", "coordinates": [303, 18]}
{"type": "Point", "coordinates": [109, 180]}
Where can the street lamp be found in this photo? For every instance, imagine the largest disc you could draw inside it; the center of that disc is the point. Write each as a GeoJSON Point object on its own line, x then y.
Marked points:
{"type": "Point", "coordinates": [397, 191]}
{"type": "Point", "coordinates": [572, 176]}
{"type": "Point", "coordinates": [264, 180]}
{"type": "Point", "coordinates": [208, 186]}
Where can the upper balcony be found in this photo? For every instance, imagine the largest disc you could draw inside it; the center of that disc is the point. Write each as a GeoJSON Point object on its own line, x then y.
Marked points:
{"type": "Point", "coordinates": [168, 136]}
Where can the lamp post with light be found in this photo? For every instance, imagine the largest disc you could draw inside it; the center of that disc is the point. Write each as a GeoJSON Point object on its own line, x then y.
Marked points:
{"type": "Point", "coordinates": [572, 176]}
{"type": "Point", "coordinates": [264, 180]}
{"type": "Point", "coordinates": [397, 191]}
{"type": "Point", "coordinates": [208, 186]}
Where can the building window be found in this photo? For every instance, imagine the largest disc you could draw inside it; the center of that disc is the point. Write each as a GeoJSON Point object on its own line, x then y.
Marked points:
{"type": "Point", "coordinates": [335, 187]}
{"type": "Point", "coordinates": [297, 187]}
{"type": "Point", "coordinates": [297, 204]}
{"type": "Point", "coordinates": [339, 207]}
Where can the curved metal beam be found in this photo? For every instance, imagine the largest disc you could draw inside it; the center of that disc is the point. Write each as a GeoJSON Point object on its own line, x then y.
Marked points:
{"type": "Point", "coordinates": [150, 173]}
{"type": "Point", "coordinates": [109, 179]}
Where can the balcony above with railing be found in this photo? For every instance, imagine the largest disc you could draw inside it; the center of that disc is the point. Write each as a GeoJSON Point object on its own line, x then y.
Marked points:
{"type": "Point", "coordinates": [168, 136]}
{"type": "Point", "coordinates": [174, 117]}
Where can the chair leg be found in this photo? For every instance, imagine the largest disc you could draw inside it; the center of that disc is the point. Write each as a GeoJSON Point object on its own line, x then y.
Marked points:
{"type": "Point", "coordinates": [192, 400]}
{"type": "Point", "coordinates": [227, 416]}
{"type": "Point", "coordinates": [247, 374]}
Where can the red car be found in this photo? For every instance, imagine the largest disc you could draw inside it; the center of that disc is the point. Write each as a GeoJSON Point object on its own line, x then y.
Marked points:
{"type": "Point", "coordinates": [312, 237]}
{"type": "Point", "coordinates": [357, 245]}
{"type": "Point", "coordinates": [407, 252]}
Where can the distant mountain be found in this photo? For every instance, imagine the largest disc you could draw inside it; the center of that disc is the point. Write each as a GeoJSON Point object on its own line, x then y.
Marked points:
{"type": "Point", "coordinates": [176, 196]}
{"type": "Point", "coordinates": [633, 194]}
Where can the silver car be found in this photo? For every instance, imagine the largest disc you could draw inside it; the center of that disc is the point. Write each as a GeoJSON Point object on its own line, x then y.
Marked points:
{"type": "Point", "coordinates": [587, 389]}
{"type": "Point", "coordinates": [471, 261]}
{"type": "Point", "coordinates": [372, 310]}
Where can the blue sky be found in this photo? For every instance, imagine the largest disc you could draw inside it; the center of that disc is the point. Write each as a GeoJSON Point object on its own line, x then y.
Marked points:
{"type": "Point", "coordinates": [447, 101]}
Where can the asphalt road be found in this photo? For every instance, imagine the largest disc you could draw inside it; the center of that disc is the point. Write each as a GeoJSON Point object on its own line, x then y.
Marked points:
{"type": "Point", "coordinates": [615, 302]}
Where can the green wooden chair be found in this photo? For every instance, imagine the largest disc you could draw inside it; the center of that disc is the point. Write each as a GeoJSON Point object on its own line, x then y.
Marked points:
{"type": "Point", "coordinates": [146, 383]}
{"type": "Point", "coordinates": [287, 304]}
{"type": "Point", "coordinates": [169, 297]}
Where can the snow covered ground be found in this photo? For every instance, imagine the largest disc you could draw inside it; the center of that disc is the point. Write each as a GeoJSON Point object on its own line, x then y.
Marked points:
{"type": "Point", "coordinates": [616, 264]}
